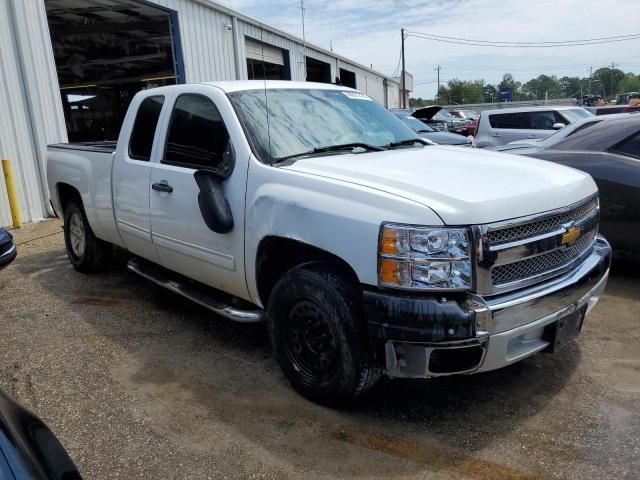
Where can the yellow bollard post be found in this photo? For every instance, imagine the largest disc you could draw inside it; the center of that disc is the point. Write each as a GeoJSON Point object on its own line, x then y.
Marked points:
{"type": "Point", "coordinates": [12, 193]}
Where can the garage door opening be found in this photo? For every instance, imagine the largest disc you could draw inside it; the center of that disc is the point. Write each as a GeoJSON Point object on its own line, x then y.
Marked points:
{"type": "Point", "coordinates": [347, 78]}
{"type": "Point", "coordinates": [318, 71]}
{"type": "Point", "coordinates": [105, 52]}
{"type": "Point", "coordinates": [266, 62]}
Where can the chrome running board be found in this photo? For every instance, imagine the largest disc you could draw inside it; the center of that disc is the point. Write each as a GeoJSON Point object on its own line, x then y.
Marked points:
{"type": "Point", "coordinates": [206, 297]}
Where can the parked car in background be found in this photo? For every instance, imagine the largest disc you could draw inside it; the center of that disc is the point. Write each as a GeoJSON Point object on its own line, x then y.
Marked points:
{"type": "Point", "coordinates": [609, 150]}
{"type": "Point", "coordinates": [428, 133]}
{"type": "Point", "coordinates": [626, 98]}
{"type": "Point", "coordinates": [556, 136]}
{"type": "Point", "coordinates": [8, 250]}
{"type": "Point", "coordinates": [365, 251]}
{"type": "Point", "coordinates": [471, 116]}
{"type": "Point", "coordinates": [470, 128]}
{"type": "Point", "coordinates": [464, 113]}
{"type": "Point", "coordinates": [498, 127]}
{"type": "Point", "coordinates": [439, 118]}
{"type": "Point", "coordinates": [612, 109]}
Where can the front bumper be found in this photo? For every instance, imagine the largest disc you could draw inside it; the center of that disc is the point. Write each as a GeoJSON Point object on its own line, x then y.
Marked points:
{"type": "Point", "coordinates": [421, 337]}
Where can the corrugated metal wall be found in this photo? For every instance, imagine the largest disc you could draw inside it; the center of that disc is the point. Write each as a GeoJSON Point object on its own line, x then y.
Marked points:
{"type": "Point", "coordinates": [208, 47]}
{"type": "Point", "coordinates": [30, 109]}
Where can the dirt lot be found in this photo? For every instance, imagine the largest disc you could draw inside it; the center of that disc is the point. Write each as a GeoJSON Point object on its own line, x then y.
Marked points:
{"type": "Point", "coordinates": [138, 383]}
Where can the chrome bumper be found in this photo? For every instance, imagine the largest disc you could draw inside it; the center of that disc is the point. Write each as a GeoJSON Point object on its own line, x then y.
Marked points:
{"type": "Point", "coordinates": [509, 327]}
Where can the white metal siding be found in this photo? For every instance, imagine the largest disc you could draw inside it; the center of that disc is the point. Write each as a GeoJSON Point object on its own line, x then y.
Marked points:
{"type": "Point", "coordinates": [207, 45]}
{"type": "Point", "coordinates": [30, 109]}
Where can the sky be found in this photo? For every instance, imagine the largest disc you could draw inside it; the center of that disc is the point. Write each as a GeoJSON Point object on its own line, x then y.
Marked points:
{"type": "Point", "coordinates": [369, 33]}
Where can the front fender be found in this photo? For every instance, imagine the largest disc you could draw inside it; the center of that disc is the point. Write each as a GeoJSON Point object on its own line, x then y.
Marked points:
{"type": "Point", "coordinates": [338, 217]}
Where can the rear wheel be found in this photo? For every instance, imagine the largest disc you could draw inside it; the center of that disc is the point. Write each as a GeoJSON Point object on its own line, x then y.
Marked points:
{"type": "Point", "coordinates": [318, 336]}
{"type": "Point", "coordinates": [87, 253]}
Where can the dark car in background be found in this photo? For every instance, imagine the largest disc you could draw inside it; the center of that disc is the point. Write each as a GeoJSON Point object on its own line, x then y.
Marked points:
{"type": "Point", "coordinates": [609, 151]}
{"type": "Point", "coordinates": [611, 109]}
{"type": "Point", "coordinates": [7, 249]}
{"type": "Point", "coordinates": [425, 131]}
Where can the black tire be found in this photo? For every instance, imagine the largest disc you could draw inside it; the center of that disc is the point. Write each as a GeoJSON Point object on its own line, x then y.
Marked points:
{"type": "Point", "coordinates": [318, 336]}
{"type": "Point", "coordinates": [87, 253]}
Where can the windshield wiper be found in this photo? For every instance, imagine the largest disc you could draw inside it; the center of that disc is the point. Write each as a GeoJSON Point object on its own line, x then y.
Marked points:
{"type": "Point", "coordinates": [411, 141]}
{"type": "Point", "coordinates": [332, 148]}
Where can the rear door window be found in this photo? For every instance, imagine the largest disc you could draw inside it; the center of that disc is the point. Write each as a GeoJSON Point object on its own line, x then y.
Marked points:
{"type": "Point", "coordinates": [144, 128]}
{"type": "Point", "coordinates": [518, 121]}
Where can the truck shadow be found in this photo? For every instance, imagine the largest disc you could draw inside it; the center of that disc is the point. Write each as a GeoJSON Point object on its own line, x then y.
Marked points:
{"type": "Point", "coordinates": [209, 384]}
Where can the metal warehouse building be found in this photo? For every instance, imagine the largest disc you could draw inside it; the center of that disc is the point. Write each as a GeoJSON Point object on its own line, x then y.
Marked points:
{"type": "Point", "coordinates": [68, 69]}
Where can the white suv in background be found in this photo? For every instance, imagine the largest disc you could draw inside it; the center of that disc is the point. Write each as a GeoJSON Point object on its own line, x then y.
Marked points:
{"type": "Point", "coordinates": [498, 127]}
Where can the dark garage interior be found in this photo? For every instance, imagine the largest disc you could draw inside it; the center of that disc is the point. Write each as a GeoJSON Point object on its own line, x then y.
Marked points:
{"type": "Point", "coordinates": [318, 71]}
{"type": "Point", "coordinates": [105, 51]}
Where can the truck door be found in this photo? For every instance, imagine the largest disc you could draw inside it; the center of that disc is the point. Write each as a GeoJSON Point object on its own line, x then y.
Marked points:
{"type": "Point", "coordinates": [197, 138]}
{"type": "Point", "coordinates": [132, 174]}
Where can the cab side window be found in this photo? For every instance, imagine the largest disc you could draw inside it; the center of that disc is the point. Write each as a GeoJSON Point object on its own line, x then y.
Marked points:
{"type": "Point", "coordinates": [144, 128]}
{"type": "Point", "coordinates": [197, 136]}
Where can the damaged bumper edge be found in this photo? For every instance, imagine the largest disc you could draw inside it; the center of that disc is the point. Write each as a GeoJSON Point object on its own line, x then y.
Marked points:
{"type": "Point", "coordinates": [428, 336]}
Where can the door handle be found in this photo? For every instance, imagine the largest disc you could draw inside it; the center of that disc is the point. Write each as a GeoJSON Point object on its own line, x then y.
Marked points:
{"type": "Point", "coordinates": [162, 187]}
{"type": "Point", "coordinates": [495, 134]}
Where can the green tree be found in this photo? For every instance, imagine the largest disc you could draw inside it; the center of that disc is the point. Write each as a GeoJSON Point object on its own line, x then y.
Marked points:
{"type": "Point", "coordinates": [606, 81]}
{"type": "Point", "coordinates": [465, 91]}
{"type": "Point", "coordinates": [491, 93]}
{"type": "Point", "coordinates": [542, 86]}
{"type": "Point", "coordinates": [630, 83]}
{"type": "Point", "coordinates": [572, 87]}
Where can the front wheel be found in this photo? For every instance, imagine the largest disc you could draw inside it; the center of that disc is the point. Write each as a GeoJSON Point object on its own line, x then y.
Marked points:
{"type": "Point", "coordinates": [318, 336]}
{"type": "Point", "coordinates": [87, 253]}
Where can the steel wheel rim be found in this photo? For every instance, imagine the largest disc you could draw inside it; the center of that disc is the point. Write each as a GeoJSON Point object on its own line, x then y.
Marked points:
{"type": "Point", "coordinates": [311, 342]}
{"type": "Point", "coordinates": [77, 237]}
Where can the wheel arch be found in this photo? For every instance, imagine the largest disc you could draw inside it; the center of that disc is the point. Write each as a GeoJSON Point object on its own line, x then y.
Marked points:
{"type": "Point", "coordinates": [276, 255]}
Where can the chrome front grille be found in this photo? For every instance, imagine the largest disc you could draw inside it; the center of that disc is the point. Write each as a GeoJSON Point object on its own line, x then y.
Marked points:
{"type": "Point", "coordinates": [517, 253]}
{"type": "Point", "coordinates": [542, 263]}
{"type": "Point", "coordinates": [544, 225]}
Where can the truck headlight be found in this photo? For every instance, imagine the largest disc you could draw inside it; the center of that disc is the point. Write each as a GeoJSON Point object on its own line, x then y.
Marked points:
{"type": "Point", "coordinates": [424, 258]}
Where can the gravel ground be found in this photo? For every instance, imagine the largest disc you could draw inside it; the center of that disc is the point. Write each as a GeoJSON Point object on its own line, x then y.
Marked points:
{"type": "Point", "coordinates": [138, 383]}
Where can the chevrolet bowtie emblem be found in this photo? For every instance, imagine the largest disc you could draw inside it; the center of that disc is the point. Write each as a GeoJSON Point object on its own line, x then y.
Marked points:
{"type": "Point", "coordinates": [571, 237]}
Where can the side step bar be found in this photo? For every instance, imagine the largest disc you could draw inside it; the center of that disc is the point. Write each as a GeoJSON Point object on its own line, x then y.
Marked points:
{"type": "Point", "coordinates": [203, 296]}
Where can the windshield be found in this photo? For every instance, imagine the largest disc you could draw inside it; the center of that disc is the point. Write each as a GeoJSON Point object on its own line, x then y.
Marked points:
{"type": "Point", "coordinates": [301, 120]}
{"type": "Point", "coordinates": [574, 114]}
{"type": "Point", "coordinates": [414, 124]}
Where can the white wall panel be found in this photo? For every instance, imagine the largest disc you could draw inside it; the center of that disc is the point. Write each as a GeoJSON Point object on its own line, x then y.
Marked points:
{"type": "Point", "coordinates": [207, 45]}
{"type": "Point", "coordinates": [30, 109]}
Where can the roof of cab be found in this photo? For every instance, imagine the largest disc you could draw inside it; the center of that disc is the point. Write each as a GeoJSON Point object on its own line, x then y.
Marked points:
{"type": "Point", "coordinates": [240, 85]}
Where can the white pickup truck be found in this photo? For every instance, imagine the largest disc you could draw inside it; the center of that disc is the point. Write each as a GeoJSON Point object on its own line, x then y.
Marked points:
{"type": "Point", "coordinates": [311, 207]}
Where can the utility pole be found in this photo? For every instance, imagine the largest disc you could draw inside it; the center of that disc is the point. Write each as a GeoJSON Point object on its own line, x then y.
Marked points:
{"type": "Point", "coordinates": [590, 75]}
{"type": "Point", "coordinates": [402, 80]}
{"type": "Point", "coordinates": [438, 91]}
{"type": "Point", "coordinates": [612, 67]}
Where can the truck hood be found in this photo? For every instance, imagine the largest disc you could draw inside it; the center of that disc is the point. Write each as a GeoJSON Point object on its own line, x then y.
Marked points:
{"type": "Point", "coordinates": [463, 186]}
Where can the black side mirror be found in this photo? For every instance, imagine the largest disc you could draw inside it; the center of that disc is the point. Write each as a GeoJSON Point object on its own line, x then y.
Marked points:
{"type": "Point", "coordinates": [214, 206]}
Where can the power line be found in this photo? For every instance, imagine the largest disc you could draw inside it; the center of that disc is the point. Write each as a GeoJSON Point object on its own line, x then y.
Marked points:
{"type": "Point", "coordinates": [499, 44]}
